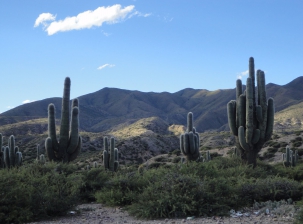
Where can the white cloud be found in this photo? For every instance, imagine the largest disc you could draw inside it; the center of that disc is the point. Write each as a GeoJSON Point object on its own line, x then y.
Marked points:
{"type": "Point", "coordinates": [85, 20]}
{"type": "Point", "coordinates": [105, 65]}
{"type": "Point", "coordinates": [42, 18]}
{"type": "Point", "coordinates": [27, 101]}
{"type": "Point", "coordinates": [9, 107]}
{"type": "Point", "coordinates": [241, 74]}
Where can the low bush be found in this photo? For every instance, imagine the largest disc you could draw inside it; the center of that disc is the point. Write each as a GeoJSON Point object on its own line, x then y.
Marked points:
{"type": "Point", "coordinates": [36, 191]}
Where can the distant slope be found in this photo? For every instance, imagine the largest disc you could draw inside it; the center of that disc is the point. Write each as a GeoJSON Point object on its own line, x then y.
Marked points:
{"type": "Point", "coordinates": [110, 108]}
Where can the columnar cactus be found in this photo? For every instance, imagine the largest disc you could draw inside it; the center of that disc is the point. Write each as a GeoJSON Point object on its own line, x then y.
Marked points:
{"type": "Point", "coordinates": [290, 158]}
{"type": "Point", "coordinates": [70, 142]}
{"type": "Point", "coordinates": [12, 156]}
{"type": "Point", "coordinates": [251, 120]}
{"type": "Point", "coordinates": [190, 141]}
{"type": "Point", "coordinates": [110, 155]}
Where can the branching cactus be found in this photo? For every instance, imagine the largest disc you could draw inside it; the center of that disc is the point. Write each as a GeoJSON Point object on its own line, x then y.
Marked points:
{"type": "Point", "coordinates": [69, 145]}
{"type": "Point", "coordinates": [251, 120]}
{"type": "Point", "coordinates": [290, 158]}
{"type": "Point", "coordinates": [190, 141]}
{"type": "Point", "coordinates": [110, 155]}
{"type": "Point", "coordinates": [12, 156]}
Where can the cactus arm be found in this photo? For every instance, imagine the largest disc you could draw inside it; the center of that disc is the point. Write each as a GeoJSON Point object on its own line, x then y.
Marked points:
{"type": "Point", "coordinates": [182, 143]}
{"type": "Point", "coordinates": [52, 126]}
{"type": "Point", "coordinates": [49, 149]}
{"type": "Point", "coordinates": [256, 136]}
{"type": "Point", "coordinates": [12, 151]}
{"type": "Point", "coordinates": [262, 103]}
{"type": "Point", "coordinates": [105, 159]}
{"type": "Point", "coordinates": [77, 150]}
{"type": "Point", "coordinates": [74, 134]}
{"type": "Point", "coordinates": [190, 121]}
{"type": "Point", "coordinates": [116, 154]}
{"type": "Point", "coordinates": [231, 114]}
{"type": "Point", "coordinates": [242, 138]}
{"type": "Point", "coordinates": [64, 129]}
{"type": "Point", "coordinates": [18, 159]}
{"type": "Point", "coordinates": [6, 157]}
{"type": "Point", "coordinates": [270, 119]}
{"type": "Point", "coordinates": [238, 88]}
{"type": "Point", "coordinates": [112, 154]}
{"type": "Point", "coordinates": [241, 110]}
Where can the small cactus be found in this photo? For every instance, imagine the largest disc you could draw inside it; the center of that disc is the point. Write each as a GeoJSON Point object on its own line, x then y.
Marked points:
{"type": "Point", "coordinates": [12, 156]}
{"type": "Point", "coordinates": [40, 157]}
{"type": "Point", "coordinates": [110, 155]}
{"type": "Point", "coordinates": [95, 164]}
{"type": "Point", "coordinates": [190, 141]}
{"type": "Point", "coordinates": [207, 157]}
{"type": "Point", "coordinates": [290, 158]}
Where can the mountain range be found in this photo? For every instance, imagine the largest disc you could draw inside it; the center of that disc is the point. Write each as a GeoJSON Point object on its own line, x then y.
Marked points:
{"type": "Point", "coordinates": [110, 108]}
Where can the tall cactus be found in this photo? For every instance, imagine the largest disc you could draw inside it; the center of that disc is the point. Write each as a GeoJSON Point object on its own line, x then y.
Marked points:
{"type": "Point", "coordinates": [110, 155]}
{"type": "Point", "coordinates": [12, 156]}
{"type": "Point", "coordinates": [190, 141]}
{"type": "Point", "coordinates": [69, 145]}
{"type": "Point", "coordinates": [251, 120]}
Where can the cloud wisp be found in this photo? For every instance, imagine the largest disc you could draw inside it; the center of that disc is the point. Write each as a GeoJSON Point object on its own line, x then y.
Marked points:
{"type": "Point", "coordinates": [85, 20]}
{"type": "Point", "coordinates": [105, 65]}
{"type": "Point", "coordinates": [241, 74]}
{"type": "Point", "coordinates": [27, 101]}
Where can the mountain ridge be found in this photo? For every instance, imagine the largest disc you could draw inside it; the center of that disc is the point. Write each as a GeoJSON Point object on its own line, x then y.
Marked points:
{"type": "Point", "coordinates": [110, 107]}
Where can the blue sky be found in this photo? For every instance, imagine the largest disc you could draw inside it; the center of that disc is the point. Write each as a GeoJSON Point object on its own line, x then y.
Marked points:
{"type": "Point", "coordinates": [144, 45]}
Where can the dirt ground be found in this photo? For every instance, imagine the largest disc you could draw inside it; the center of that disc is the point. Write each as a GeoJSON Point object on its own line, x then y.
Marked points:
{"type": "Point", "coordinates": [99, 214]}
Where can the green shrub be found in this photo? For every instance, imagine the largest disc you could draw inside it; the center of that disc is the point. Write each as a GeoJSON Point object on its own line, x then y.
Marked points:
{"type": "Point", "coordinates": [94, 180]}
{"type": "Point", "coordinates": [275, 188]}
{"type": "Point", "coordinates": [161, 159]}
{"type": "Point", "coordinates": [297, 144]}
{"type": "Point", "coordinates": [36, 191]}
{"type": "Point", "coordinates": [272, 150]}
{"type": "Point", "coordinates": [176, 152]}
{"type": "Point", "coordinates": [176, 159]}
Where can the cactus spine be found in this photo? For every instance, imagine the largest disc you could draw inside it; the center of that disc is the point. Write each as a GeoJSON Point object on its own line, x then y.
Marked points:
{"type": "Point", "coordinates": [12, 156]}
{"type": "Point", "coordinates": [190, 141]}
{"type": "Point", "coordinates": [110, 155]}
{"type": "Point", "coordinates": [251, 120]}
{"type": "Point", "coordinates": [290, 158]}
{"type": "Point", "coordinates": [69, 145]}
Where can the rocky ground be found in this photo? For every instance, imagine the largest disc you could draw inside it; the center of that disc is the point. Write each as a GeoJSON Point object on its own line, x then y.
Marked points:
{"type": "Point", "coordinates": [99, 214]}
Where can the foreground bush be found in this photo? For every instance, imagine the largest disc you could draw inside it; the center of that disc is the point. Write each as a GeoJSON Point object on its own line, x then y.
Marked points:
{"type": "Point", "coordinates": [37, 191]}
{"type": "Point", "coordinates": [197, 189]}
